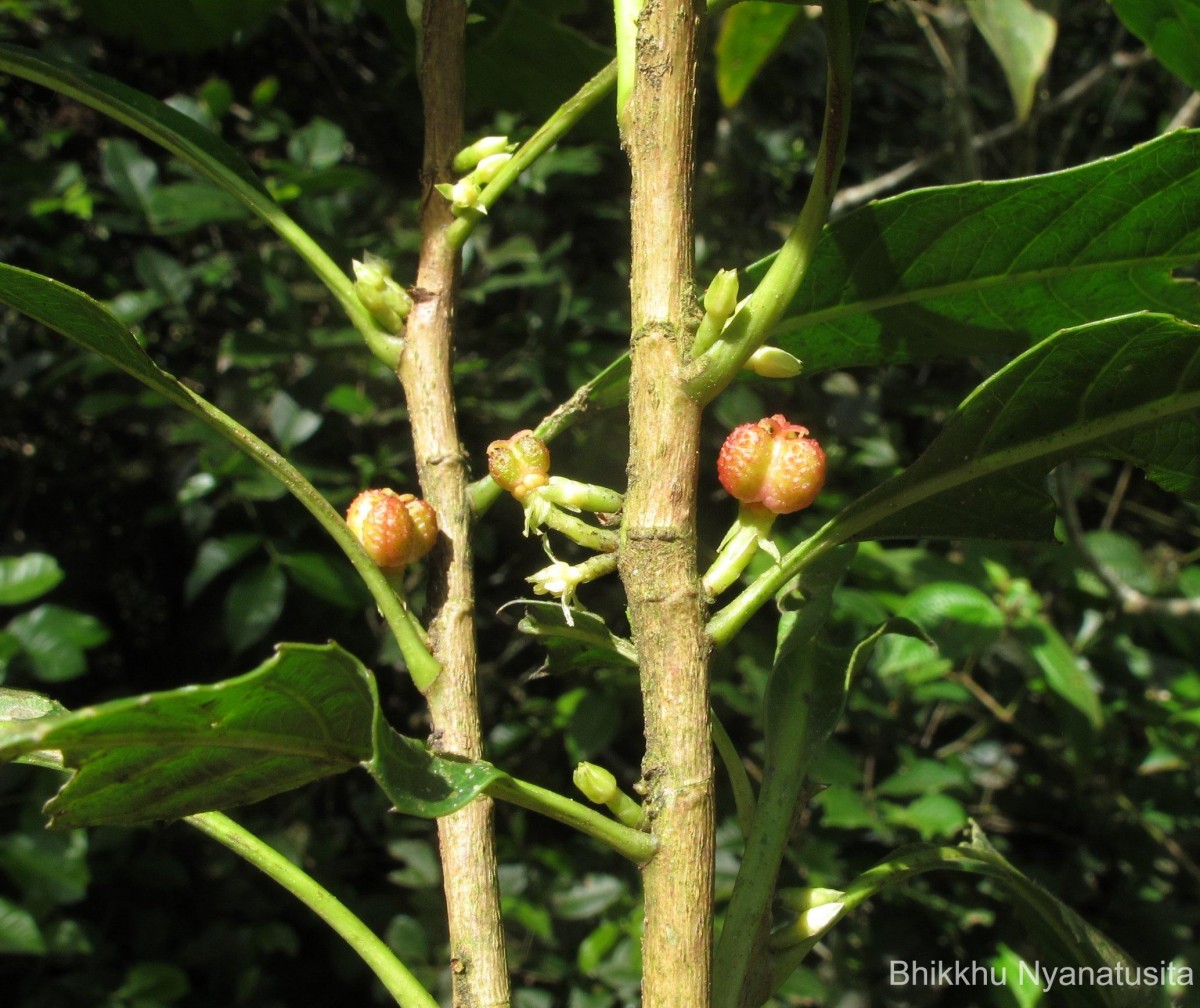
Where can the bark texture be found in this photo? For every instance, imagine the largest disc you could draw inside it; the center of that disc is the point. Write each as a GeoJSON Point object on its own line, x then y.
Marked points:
{"type": "Point", "coordinates": [465, 839]}
{"type": "Point", "coordinates": [658, 551]}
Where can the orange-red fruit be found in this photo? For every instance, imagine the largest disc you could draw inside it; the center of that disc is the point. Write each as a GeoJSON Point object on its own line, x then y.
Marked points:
{"type": "Point", "coordinates": [520, 463]}
{"type": "Point", "coordinates": [773, 463]}
{"type": "Point", "coordinates": [395, 529]}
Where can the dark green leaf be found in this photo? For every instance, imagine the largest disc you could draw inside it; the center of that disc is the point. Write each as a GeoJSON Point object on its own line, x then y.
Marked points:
{"type": "Point", "coordinates": [188, 26]}
{"type": "Point", "coordinates": [185, 206]}
{"type": "Point", "coordinates": [750, 33]}
{"type": "Point", "coordinates": [1126, 388]}
{"type": "Point", "coordinates": [994, 267]}
{"type": "Point", "coordinates": [253, 605]}
{"type": "Point", "coordinates": [19, 932]}
{"type": "Point", "coordinates": [215, 557]}
{"type": "Point", "coordinates": [305, 713]}
{"type": "Point", "coordinates": [1171, 28]}
{"type": "Point", "coordinates": [129, 172]}
{"type": "Point", "coordinates": [327, 577]}
{"type": "Point", "coordinates": [421, 784]}
{"type": "Point", "coordinates": [24, 578]}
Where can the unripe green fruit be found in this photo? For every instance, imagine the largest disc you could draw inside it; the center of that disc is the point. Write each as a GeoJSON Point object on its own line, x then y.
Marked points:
{"type": "Point", "coordinates": [772, 463]}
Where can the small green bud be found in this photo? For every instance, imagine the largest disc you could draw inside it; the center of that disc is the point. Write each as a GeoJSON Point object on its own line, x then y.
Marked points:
{"type": "Point", "coordinates": [799, 900]}
{"type": "Point", "coordinates": [388, 302]}
{"type": "Point", "coordinates": [463, 196]}
{"type": "Point", "coordinates": [597, 784]}
{"type": "Point", "coordinates": [578, 496]}
{"type": "Point", "coordinates": [600, 786]}
{"type": "Point", "coordinates": [721, 298]}
{"type": "Point", "coordinates": [467, 158]}
{"type": "Point", "coordinates": [487, 168]}
{"type": "Point", "coordinates": [817, 910]}
{"type": "Point", "coordinates": [773, 362]}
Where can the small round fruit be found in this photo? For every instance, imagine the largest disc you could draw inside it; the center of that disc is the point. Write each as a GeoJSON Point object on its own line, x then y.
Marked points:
{"type": "Point", "coordinates": [773, 463]}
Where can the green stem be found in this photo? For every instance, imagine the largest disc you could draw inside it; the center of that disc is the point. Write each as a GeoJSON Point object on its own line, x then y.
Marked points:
{"type": "Point", "coordinates": [551, 131]}
{"type": "Point", "coordinates": [405, 989]}
{"type": "Point", "coordinates": [579, 531]}
{"type": "Point", "coordinates": [386, 346]}
{"type": "Point", "coordinates": [739, 781]}
{"type": "Point", "coordinates": [757, 318]}
{"type": "Point", "coordinates": [634, 844]}
{"type": "Point", "coordinates": [741, 950]}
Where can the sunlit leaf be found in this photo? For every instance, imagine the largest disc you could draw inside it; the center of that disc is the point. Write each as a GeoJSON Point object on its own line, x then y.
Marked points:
{"type": "Point", "coordinates": [749, 35]}
{"type": "Point", "coordinates": [1022, 38]}
{"type": "Point", "coordinates": [1124, 388]}
{"type": "Point", "coordinates": [26, 577]}
{"type": "Point", "coordinates": [995, 267]}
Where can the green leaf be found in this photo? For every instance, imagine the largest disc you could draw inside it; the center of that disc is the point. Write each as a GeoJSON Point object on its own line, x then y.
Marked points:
{"type": "Point", "coordinates": [129, 172]}
{"type": "Point", "coordinates": [24, 578]}
{"type": "Point", "coordinates": [587, 643]}
{"type": "Point", "coordinates": [1022, 38]}
{"type": "Point", "coordinates": [994, 267]}
{"type": "Point", "coordinates": [750, 33]}
{"type": "Point", "coordinates": [186, 206]}
{"type": "Point", "coordinates": [215, 557]}
{"type": "Point", "coordinates": [253, 605]}
{"type": "Point", "coordinates": [325, 577]}
{"type": "Point", "coordinates": [1123, 388]}
{"type": "Point", "coordinates": [421, 784]}
{"type": "Point", "coordinates": [203, 150]}
{"type": "Point", "coordinates": [55, 639]}
{"type": "Point", "coordinates": [321, 144]}
{"type": "Point", "coordinates": [1062, 668]}
{"type": "Point", "coordinates": [1171, 28]}
{"type": "Point", "coordinates": [961, 620]}
{"type": "Point", "coordinates": [291, 424]}
{"type": "Point", "coordinates": [305, 713]}
{"type": "Point", "coordinates": [88, 323]}
{"type": "Point", "coordinates": [1062, 937]}
{"type": "Point", "coordinates": [185, 26]}
{"type": "Point", "coordinates": [19, 931]}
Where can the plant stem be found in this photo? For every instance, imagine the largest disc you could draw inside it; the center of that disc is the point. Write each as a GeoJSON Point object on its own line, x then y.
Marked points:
{"type": "Point", "coordinates": [466, 840]}
{"type": "Point", "coordinates": [658, 534]}
{"type": "Point", "coordinates": [632, 843]}
{"type": "Point", "coordinates": [753, 323]}
{"type": "Point", "coordinates": [405, 989]}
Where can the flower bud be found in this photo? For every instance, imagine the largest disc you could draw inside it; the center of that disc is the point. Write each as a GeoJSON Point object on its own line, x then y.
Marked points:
{"type": "Point", "coordinates": [388, 302]}
{"type": "Point", "coordinates": [720, 300]}
{"type": "Point", "coordinates": [578, 496]}
{"type": "Point", "coordinates": [467, 158]}
{"type": "Point", "coordinates": [773, 463]}
{"type": "Point", "coordinates": [487, 168]}
{"type": "Point", "coordinates": [519, 463]}
{"type": "Point", "coordinates": [463, 195]}
{"type": "Point", "coordinates": [395, 529]}
{"type": "Point", "coordinates": [772, 362]}
{"type": "Point", "coordinates": [597, 784]}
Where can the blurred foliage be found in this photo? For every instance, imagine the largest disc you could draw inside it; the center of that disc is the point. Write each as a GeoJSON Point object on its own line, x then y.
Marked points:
{"type": "Point", "coordinates": [1063, 720]}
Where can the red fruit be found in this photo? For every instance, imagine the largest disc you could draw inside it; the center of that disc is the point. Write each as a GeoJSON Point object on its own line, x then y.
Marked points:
{"type": "Point", "coordinates": [395, 529]}
{"type": "Point", "coordinates": [773, 463]}
{"type": "Point", "coordinates": [520, 463]}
